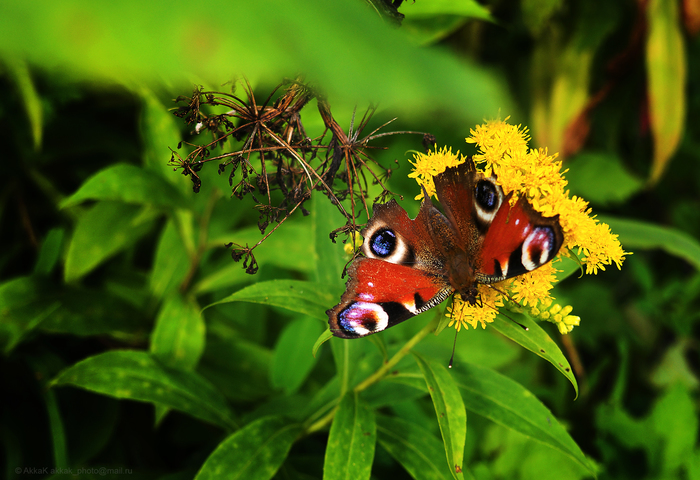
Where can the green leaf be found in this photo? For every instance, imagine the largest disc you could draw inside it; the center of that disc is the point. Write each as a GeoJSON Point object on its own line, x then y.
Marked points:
{"type": "Point", "coordinates": [85, 312]}
{"type": "Point", "coordinates": [134, 375]}
{"type": "Point", "coordinates": [449, 408]}
{"type": "Point", "coordinates": [323, 338]}
{"type": "Point", "coordinates": [402, 385]}
{"type": "Point", "coordinates": [129, 184]}
{"type": "Point", "coordinates": [330, 256]}
{"type": "Point", "coordinates": [19, 72]}
{"type": "Point", "coordinates": [107, 228]}
{"type": "Point", "coordinates": [675, 422]}
{"type": "Point", "coordinates": [171, 263]}
{"type": "Point", "coordinates": [463, 8]}
{"type": "Point", "coordinates": [666, 80]}
{"type": "Point", "coordinates": [429, 29]}
{"type": "Point", "coordinates": [25, 304]}
{"type": "Point", "coordinates": [415, 448]}
{"type": "Point", "coordinates": [240, 369]}
{"type": "Point", "coordinates": [178, 336]}
{"type": "Point", "coordinates": [634, 234]}
{"type": "Point", "coordinates": [674, 367]}
{"type": "Point", "coordinates": [292, 360]}
{"type": "Point", "coordinates": [253, 453]}
{"type": "Point", "coordinates": [601, 178]}
{"type": "Point", "coordinates": [126, 48]}
{"type": "Point", "coordinates": [351, 442]}
{"type": "Point", "coordinates": [507, 403]}
{"type": "Point", "coordinates": [298, 296]}
{"type": "Point", "coordinates": [50, 251]}
{"type": "Point", "coordinates": [287, 248]}
{"type": "Point", "coordinates": [536, 340]}
{"type": "Point", "coordinates": [160, 132]}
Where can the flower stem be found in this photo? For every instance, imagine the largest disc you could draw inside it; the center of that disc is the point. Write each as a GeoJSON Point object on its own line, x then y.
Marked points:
{"type": "Point", "coordinates": [380, 373]}
{"type": "Point", "coordinates": [405, 350]}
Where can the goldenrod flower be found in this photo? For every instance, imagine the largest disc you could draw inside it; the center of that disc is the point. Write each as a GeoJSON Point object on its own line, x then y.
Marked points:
{"type": "Point", "coordinates": [354, 244]}
{"type": "Point", "coordinates": [463, 314]}
{"type": "Point", "coordinates": [426, 166]}
{"type": "Point", "coordinates": [502, 151]}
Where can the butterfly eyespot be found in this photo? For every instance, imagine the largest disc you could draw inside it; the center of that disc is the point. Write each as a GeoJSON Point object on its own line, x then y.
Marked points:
{"type": "Point", "coordinates": [487, 196]}
{"type": "Point", "coordinates": [383, 243]}
{"type": "Point", "coordinates": [539, 247]}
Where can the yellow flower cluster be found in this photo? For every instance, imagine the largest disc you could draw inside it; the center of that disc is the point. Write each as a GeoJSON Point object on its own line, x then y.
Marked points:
{"type": "Point", "coordinates": [426, 166]}
{"type": "Point", "coordinates": [464, 315]}
{"type": "Point", "coordinates": [503, 152]}
{"type": "Point", "coordinates": [559, 316]}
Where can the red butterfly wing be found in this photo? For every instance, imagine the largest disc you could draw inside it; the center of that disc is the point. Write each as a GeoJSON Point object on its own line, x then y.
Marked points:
{"type": "Point", "coordinates": [381, 294]}
{"type": "Point", "coordinates": [519, 240]}
{"type": "Point", "coordinates": [403, 274]}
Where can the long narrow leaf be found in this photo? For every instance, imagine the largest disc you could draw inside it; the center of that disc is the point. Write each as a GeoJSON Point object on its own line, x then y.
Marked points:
{"type": "Point", "coordinates": [298, 296]}
{"type": "Point", "coordinates": [507, 403]}
{"type": "Point", "coordinates": [129, 184]}
{"type": "Point", "coordinates": [252, 453]}
{"type": "Point", "coordinates": [644, 235]}
{"type": "Point", "coordinates": [138, 376]}
{"type": "Point", "coordinates": [666, 75]}
{"type": "Point", "coordinates": [415, 448]}
{"type": "Point", "coordinates": [449, 408]}
{"type": "Point", "coordinates": [350, 449]}
{"type": "Point", "coordinates": [537, 341]}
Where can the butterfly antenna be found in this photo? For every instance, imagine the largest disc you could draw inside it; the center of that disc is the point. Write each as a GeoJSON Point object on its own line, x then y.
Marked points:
{"type": "Point", "coordinates": [454, 346]}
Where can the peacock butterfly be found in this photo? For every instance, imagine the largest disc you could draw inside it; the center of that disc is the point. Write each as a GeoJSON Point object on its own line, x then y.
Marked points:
{"type": "Point", "coordinates": [409, 266]}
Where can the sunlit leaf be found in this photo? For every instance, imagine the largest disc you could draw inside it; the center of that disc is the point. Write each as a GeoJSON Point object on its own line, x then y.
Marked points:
{"type": "Point", "coordinates": [464, 8]}
{"type": "Point", "coordinates": [537, 341]}
{"type": "Point", "coordinates": [450, 412]}
{"type": "Point", "coordinates": [107, 228]}
{"type": "Point", "coordinates": [323, 338]}
{"type": "Point", "coordinates": [292, 360]}
{"type": "Point", "coordinates": [637, 235]}
{"type": "Point", "coordinates": [253, 453]}
{"type": "Point", "coordinates": [666, 75]}
{"type": "Point", "coordinates": [271, 39]}
{"type": "Point", "coordinates": [178, 337]}
{"type": "Point", "coordinates": [298, 296]}
{"type": "Point", "coordinates": [19, 72]}
{"type": "Point", "coordinates": [350, 448]}
{"type": "Point", "coordinates": [129, 184]}
{"type": "Point", "coordinates": [414, 447]}
{"type": "Point", "coordinates": [134, 375]}
{"type": "Point", "coordinates": [507, 403]}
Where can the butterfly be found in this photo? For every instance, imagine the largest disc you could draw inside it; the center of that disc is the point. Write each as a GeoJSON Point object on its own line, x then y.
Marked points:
{"type": "Point", "coordinates": [410, 266]}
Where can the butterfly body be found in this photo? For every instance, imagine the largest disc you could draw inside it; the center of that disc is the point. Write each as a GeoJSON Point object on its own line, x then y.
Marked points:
{"type": "Point", "coordinates": [409, 266]}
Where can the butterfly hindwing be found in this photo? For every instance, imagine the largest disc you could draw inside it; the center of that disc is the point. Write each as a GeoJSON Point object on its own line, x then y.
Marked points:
{"type": "Point", "coordinates": [519, 240]}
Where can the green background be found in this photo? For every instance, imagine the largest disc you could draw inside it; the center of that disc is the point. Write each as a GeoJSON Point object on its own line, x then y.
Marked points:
{"type": "Point", "coordinates": [108, 257]}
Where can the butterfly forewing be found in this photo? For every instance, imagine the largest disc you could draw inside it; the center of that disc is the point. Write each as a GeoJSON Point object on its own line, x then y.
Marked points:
{"type": "Point", "coordinates": [382, 294]}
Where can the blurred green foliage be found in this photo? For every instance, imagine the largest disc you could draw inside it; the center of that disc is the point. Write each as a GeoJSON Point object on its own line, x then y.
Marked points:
{"type": "Point", "coordinates": [131, 340]}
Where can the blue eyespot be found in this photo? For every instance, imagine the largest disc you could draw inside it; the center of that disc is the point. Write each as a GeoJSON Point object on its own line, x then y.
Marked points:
{"type": "Point", "coordinates": [486, 195]}
{"type": "Point", "coordinates": [383, 243]}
